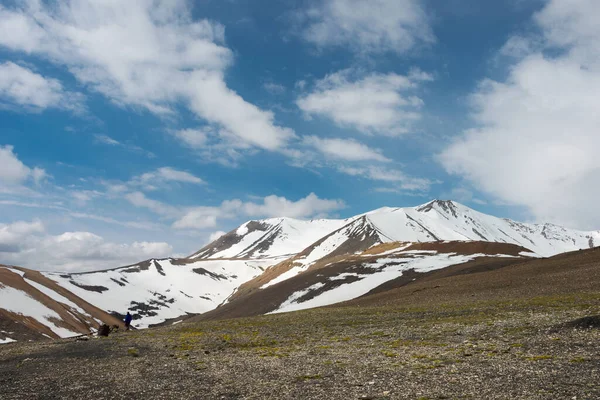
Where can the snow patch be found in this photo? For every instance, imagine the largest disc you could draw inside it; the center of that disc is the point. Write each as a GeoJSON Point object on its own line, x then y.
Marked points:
{"type": "Point", "coordinates": [19, 302]}
{"type": "Point", "coordinates": [386, 270]}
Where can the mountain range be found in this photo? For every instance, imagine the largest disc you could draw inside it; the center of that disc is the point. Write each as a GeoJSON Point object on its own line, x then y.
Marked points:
{"type": "Point", "coordinates": [275, 265]}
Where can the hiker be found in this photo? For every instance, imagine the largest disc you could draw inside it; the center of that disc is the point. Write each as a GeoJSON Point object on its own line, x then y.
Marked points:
{"type": "Point", "coordinates": [128, 319]}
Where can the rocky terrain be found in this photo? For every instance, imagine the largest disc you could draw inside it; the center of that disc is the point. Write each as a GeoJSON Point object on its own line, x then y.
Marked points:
{"type": "Point", "coordinates": [518, 329]}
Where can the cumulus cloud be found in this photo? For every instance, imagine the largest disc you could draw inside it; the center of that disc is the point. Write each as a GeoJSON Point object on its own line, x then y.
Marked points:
{"type": "Point", "coordinates": [270, 206]}
{"type": "Point", "coordinates": [25, 244]}
{"type": "Point", "coordinates": [165, 58]}
{"type": "Point", "coordinates": [193, 138]}
{"type": "Point", "coordinates": [344, 149]}
{"type": "Point", "coordinates": [367, 26]}
{"type": "Point", "coordinates": [156, 179]}
{"type": "Point", "coordinates": [276, 206]}
{"type": "Point", "coordinates": [13, 235]}
{"type": "Point", "coordinates": [13, 172]}
{"type": "Point", "coordinates": [25, 90]}
{"type": "Point", "coordinates": [383, 104]}
{"type": "Point", "coordinates": [537, 136]}
{"type": "Point", "coordinates": [199, 218]}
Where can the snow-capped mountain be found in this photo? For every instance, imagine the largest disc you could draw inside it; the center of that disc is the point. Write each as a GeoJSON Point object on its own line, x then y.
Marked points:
{"type": "Point", "coordinates": [281, 256]}
{"type": "Point", "coordinates": [274, 237]}
{"type": "Point", "coordinates": [35, 307]}
{"type": "Point", "coordinates": [346, 277]}
{"type": "Point", "coordinates": [434, 221]}
{"type": "Point", "coordinates": [431, 222]}
{"type": "Point", "coordinates": [155, 291]}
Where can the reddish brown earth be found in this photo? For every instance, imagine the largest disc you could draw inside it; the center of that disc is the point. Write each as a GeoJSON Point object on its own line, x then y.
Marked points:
{"type": "Point", "coordinates": [27, 328]}
{"type": "Point", "coordinates": [494, 279]}
{"type": "Point", "coordinates": [250, 300]}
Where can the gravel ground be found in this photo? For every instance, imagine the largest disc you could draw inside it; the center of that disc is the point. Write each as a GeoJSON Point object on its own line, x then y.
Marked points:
{"type": "Point", "coordinates": [502, 350]}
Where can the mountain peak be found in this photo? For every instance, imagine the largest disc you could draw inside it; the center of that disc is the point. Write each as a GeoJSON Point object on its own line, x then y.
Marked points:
{"type": "Point", "coordinates": [447, 206]}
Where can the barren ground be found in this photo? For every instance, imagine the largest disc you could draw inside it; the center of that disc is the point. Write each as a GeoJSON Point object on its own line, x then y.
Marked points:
{"type": "Point", "coordinates": [485, 350]}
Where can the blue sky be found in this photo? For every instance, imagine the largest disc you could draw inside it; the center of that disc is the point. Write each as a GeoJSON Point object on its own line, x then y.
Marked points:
{"type": "Point", "coordinates": [131, 130]}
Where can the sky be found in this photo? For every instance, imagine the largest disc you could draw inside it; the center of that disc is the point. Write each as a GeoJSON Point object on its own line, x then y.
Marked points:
{"type": "Point", "coordinates": [139, 129]}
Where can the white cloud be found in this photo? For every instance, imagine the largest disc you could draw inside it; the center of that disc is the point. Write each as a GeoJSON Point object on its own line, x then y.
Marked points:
{"type": "Point", "coordinates": [400, 180]}
{"type": "Point", "coordinates": [194, 138]}
{"type": "Point", "coordinates": [170, 175]}
{"type": "Point", "coordinates": [215, 235]}
{"type": "Point", "coordinates": [537, 136]}
{"type": "Point", "coordinates": [270, 206]}
{"type": "Point", "coordinates": [377, 103]}
{"type": "Point", "coordinates": [13, 235]}
{"type": "Point", "coordinates": [462, 195]}
{"type": "Point", "coordinates": [368, 26]}
{"type": "Point", "coordinates": [83, 196]}
{"type": "Point", "coordinates": [109, 220]}
{"type": "Point", "coordinates": [518, 47]}
{"type": "Point", "coordinates": [276, 206]}
{"type": "Point", "coordinates": [165, 58]}
{"type": "Point", "coordinates": [105, 139]}
{"type": "Point", "coordinates": [26, 244]}
{"type": "Point", "coordinates": [30, 91]}
{"type": "Point", "coordinates": [198, 218]}
{"type": "Point", "coordinates": [139, 199]}
{"type": "Point", "coordinates": [274, 88]}
{"type": "Point", "coordinates": [344, 149]}
{"type": "Point", "coordinates": [13, 172]}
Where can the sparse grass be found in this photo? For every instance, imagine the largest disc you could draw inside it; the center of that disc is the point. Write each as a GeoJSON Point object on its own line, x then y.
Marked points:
{"type": "Point", "coordinates": [133, 352]}
{"type": "Point", "coordinates": [325, 347]}
{"type": "Point", "coordinates": [578, 359]}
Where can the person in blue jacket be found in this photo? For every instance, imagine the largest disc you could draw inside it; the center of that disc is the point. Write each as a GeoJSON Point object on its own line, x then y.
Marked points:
{"type": "Point", "coordinates": [128, 319]}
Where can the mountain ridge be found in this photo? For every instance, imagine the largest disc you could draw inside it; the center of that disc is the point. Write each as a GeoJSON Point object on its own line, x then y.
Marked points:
{"type": "Point", "coordinates": [341, 257]}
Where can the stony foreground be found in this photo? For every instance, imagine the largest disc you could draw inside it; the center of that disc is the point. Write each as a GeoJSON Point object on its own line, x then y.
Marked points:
{"type": "Point", "coordinates": [496, 350]}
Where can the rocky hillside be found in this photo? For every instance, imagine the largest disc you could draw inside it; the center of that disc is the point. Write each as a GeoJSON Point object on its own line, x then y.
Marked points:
{"type": "Point", "coordinates": [283, 264]}
{"type": "Point", "coordinates": [155, 291]}
{"type": "Point", "coordinates": [35, 307]}
{"type": "Point", "coordinates": [345, 277]}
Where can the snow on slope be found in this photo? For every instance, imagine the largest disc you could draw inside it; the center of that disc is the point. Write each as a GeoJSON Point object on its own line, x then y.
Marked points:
{"type": "Point", "coordinates": [356, 284]}
{"type": "Point", "coordinates": [273, 237]}
{"type": "Point", "coordinates": [7, 340]}
{"type": "Point", "coordinates": [448, 220]}
{"type": "Point", "coordinates": [157, 290]}
{"type": "Point", "coordinates": [20, 302]}
{"type": "Point", "coordinates": [33, 307]}
{"type": "Point", "coordinates": [437, 221]}
{"type": "Point", "coordinates": [444, 221]}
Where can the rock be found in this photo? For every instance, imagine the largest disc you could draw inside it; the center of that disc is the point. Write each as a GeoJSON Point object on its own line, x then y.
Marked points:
{"type": "Point", "coordinates": [104, 330]}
